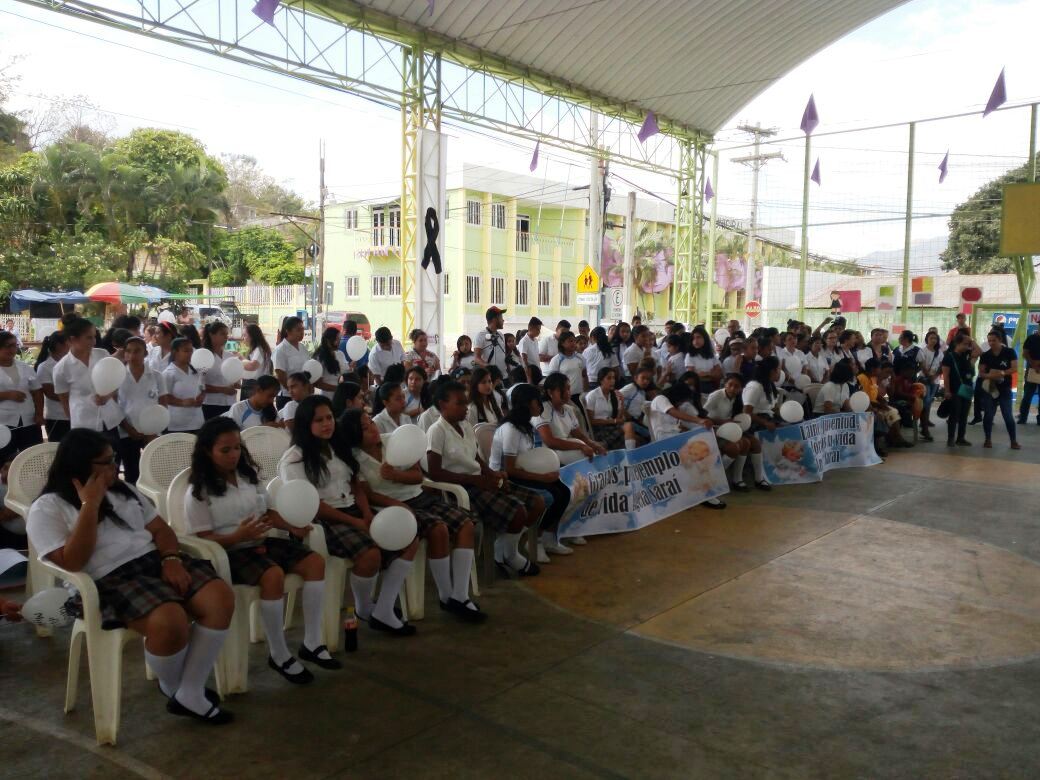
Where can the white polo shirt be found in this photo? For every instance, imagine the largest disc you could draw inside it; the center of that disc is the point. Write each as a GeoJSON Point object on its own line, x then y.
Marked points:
{"type": "Point", "coordinates": [458, 453]}
{"type": "Point", "coordinates": [562, 422]}
{"type": "Point", "coordinates": [334, 489]}
{"type": "Point", "coordinates": [184, 385]}
{"type": "Point", "coordinates": [379, 359]}
{"type": "Point", "coordinates": [791, 362]}
{"type": "Point", "coordinates": [754, 395]}
{"type": "Point", "coordinates": [136, 395]}
{"type": "Point", "coordinates": [72, 376]}
{"type": "Point", "coordinates": [215, 376]}
{"type": "Point", "coordinates": [385, 423]}
{"type": "Point", "coordinates": [720, 407]}
{"type": "Point", "coordinates": [52, 410]}
{"type": "Point", "coordinates": [399, 491]}
{"type": "Point", "coordinates": [636, 354]}
{"type": "Point", "coordinates": [572, 367]}
{"type": "Point", "coordinates": [509, 441]}
{"type": "Point", "coordinates": [15, 414]}
{"type": "Point", "coordinates": [529, 349]}
{"type": "Point", "coordinates": [595, 360]}
{"type": "Point", "coordinates": [599, 405]}
{"type": "Point", "coordinates": [289, 359]}
{"type": "Point", "coordinates": [243, 413]}
{"type": "Point", "coordinates": [837, 394]}
{"type": "Point", "coordinates": [223, 514]}
{"type": "Point", "coordinates": [634, 399]}
{"type": "Point", "coordinates": [662, 423]}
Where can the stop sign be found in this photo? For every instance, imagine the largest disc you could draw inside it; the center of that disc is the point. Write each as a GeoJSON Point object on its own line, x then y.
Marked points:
{"type": "Point", "coordinates": [752, 309]}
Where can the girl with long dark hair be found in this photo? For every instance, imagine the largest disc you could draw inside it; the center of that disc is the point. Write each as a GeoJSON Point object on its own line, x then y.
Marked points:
{"type": "Point", "coordinates": [931, 357]}
{"type": "Point", "coordinates": [606, 413]}
{"type": "Point", "coordinates": [159, 353]}
{"type": "Point", "coordinates": [319, 456]}
{"type": "Point", "coordinates": [599, 354]}
{"type": "Point", "coordinates": [483, 405]}
{"type": "Point", "coordinates": [226, 503]}
{"type": "Point", "coordinates": [388, 408]}
{"type": "Point", "coordinates": [21, 399]}
{"type": "Point", "coordinates": [700, 357]}
{"type": "Point", "coordinates": [75, 387]}
{"type": "Point", "coordinates": [258, 360]}
{"type": "Point", "coordinates": [416, 393]}
{"type": "Point", "coordinates": [220, 394]}
{"type": "Point", "coordinates": [87, 520]}
{"type": "Point", "coordinates": [333, 362]}
{"type": "Point", "coordinates": [761, 394]}
{"type": "Point", "coordinates": [55, 418]}
{"type": "Point", "coordinates": [722, 407]}
{"type": "Point", "coordinates": [185, 389]}
{"type": "Point", "coordinates": [289, 356]}
{"type": "Point", "coordinates": [439, 521]}
{"type": "Point", "coordinates": [141, 389]}
{"type": "Point", "coordinates": [559, 427]}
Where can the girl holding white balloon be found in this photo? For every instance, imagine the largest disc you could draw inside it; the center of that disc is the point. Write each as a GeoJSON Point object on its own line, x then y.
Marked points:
{"type": "Point", "coordinates": [319, 456]}
{"type": "Point", "coordinates": [761, 394]}
{"type": "Point", "coordinates": [221, 390]}
{"type": "Point", "coordinates": [726, 406]}
{"type": "Point", "coordinates": [88, 390]}
{"type": "Point", "coordinates": [142, 389]}
{"type": "Point", "coordinates": [21, 399]}
{"type": "Point", "coordinates": [258, 361]}
{"type": "Point", "coordinates": [333, 362]}
{"type": "Point", "coordinates": [389, 408]}
{"type": "Point", "coordinates": [226, 503]}
{"type": "Point", "coordinates": [834, 395]}
{"type": "Point", "coordinates": [185, 390]}
{"type": "Point", "coordinates": [288, 356]}
{"type": "Point", "coordinates": [392, 477]}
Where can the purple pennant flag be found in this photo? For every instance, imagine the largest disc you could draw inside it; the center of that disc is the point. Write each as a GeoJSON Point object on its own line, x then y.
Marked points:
{"type": "Point", "coordinates": [709, 193]}
{"type": "Point", "coordinates": [265, 10]}
{"type": "Point", "coordinates": [534, 157]}
{"type": "Point", "coordinates": [944, 166]}
{"type": "Point", "coordinates": [816, 172]}
{"type": "Point", "coordinates": [997, 97]}
{"type": "Point", "coordinates": [810, 119]}
{"type": "Point", "coordinates": [429, 6]}
{"type": "Point", "coordinates": [649, 127]}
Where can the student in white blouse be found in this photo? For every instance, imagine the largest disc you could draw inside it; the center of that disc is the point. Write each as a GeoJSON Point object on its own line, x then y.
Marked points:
{"type": "Point", "coordinates": [599, 355]}
{"type": "Point", "coordinates": [333, 362]}
{"type": "Point", "coordinates": [21, 399]}
{"type": "Point", "coordinates": [141, 389]}
{"type": "Point", "coordinates": [792, 359]}
{"type": "Point", "coordinates": [700, 357]}
{"type": "Point", "coordinates": [220, 393]}
{"type": "Point", "coordinates": [528, 346]}
{"type": "Point", "coordinates": [159, 352]}
{"type": "Point", "coordinates": [258, 362]}
{"type": "Point", "coordinates": [259, 408]}
{"type": "Point", "coordinates": [289, 356]}
{"type": "Point", "coordinates": [833, 397]}
{"type": "Point", "coordinates": [319, 456]}
{"type": "Point", "coordinates": [73, 383]}
{"type": "Point", "coordinates": [559, 427]}
{"type": "Point", "coordinates": [484, 406]}
{"type": "Point", "coordinates": [388, 408]}
{"type": "Point", "coordinates": [299, 388]}
{"type": "Point", "coordinates": [185, 389]}
{"type": "Point", "coordinates": [606, 413]}
{"type": "Point", "coordinates": [387, 352]}
{"type": "Point", "coordinates": [722, 407]}
{"type": "Point", "coordinates": [55, 418]}
{"type": "Point", "coordinates": [568, 362]}
{"type": "Point", "coordinates": [761, 394]}
{"type": "Point", "coordinates": [641, 349]}
{"type": "Point", "coordinates": [226, 503]}
{"type": "Point", "coordinates": [817, 361]}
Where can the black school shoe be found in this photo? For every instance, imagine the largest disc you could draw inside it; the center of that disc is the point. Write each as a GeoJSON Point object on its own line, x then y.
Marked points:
{"type": "Point", "coordinates": [314, 657]}
{"type": "Point", "coordinates": [299, 678]}
{"type": "Point", "coordinates": [211, 695]}
{"type": "Point", "coordinates": [462, 610]}
{"type": "Point", "coordinates": [405, 630]}
{"type": "Point", "coordinates": [214, 715]}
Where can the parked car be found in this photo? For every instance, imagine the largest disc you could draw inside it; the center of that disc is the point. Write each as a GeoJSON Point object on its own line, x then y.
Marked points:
{"type": "Point", "coordinates": [335, 319]}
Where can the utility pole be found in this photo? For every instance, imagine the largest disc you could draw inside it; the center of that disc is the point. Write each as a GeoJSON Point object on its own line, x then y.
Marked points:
{"type": "Point", "coordinates": [630, 258]}
{"type": "Point", "coordinates": [595, 230]}
{"type": "Point", "coordinates": [756, 161]}
{"type": "Point", "coordinates": [322, 195]}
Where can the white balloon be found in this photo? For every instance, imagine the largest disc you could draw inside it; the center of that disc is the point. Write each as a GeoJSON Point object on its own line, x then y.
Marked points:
{"type": "Point", "coordinates": [5, 436]}
{"type": "Point", "coordinates": [152, 420]}
{"type": "Point", "coordinates": [167, 316]}
{"type": "Point", "coordinates": [232, 369]}
{"type": "Point", "coordinates": [202, 359]}
{"type": "Point", "coordinates": [792, 411]}
{"type": "Point", "coordinates": [47, 608]}
{"type": "Point", "coordinates": [405, 446]}
{"type": "Point", "coordinates": [744, 421]}
{"type": "Point", "coordinates": [314, 369]}
{"type": "Point", "coordinates": [729, 432]}
{"type": "Point", "coordinates": [356, 347]}
{"type": "Point", "coordinates": [107, 375]}
{"type": "Point", "coordinates": [859, 402]}
{"type": "Point", "coordinates": [783, 378]}
{"type": "Point", "coordinates": [540, 460]}
{"type": "Point", "coordinates": [802, 381]}
{"type": "Point", "coordinates": [721, 335]}
{"type": "Point", "coordinates": [297, 502]}
{"type": "Point", "coordinates": [393, 528]}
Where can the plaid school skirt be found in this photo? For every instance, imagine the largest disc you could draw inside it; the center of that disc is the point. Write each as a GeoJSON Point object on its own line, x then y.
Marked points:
{"type": "Point", "coordinates": [429, 509]}
{"type": "Point", "coordinates": [497, 507]}
{"type": "Point", "coordinates": [610, 436]}
{"type": "Point", "coordinates": [137, 587]}
{"type": "Point", "coordinates": [346, 541]}
{"type": "Point", "coordinates": [248, 564]}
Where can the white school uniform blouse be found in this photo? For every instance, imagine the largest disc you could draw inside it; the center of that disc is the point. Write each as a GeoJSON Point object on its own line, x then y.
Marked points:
{"type": "Point", "coordinates": [51, 520]}
{"type": "Point", "coordinates": [385, 423]}
{"type": "Point", "coordinates": [334, 489]}
{"type": "Point", "coordinates": [184, 385]}
{"type": "Point", "coordinates": [599, 406]}
{"type": "Point", "coordinates": [289, 359]}
{"type": "Point", "coordinates": [138, 394]}
{"type": "Point", "coordinates": [561, 422]}
{"type": "Point", "coordinates": [835, 393]}
{"type": "Point", "coordinates": [791, 362]}
{"type": "Point", "coordinates": [729, 365]}
{"type": "Point", "coordinates": [549, 347]}
{"type": "Point", "coordinates": [379, 359]}
{"type": "Point", "coordinates": [754, 395]}
{"type": "Point", "coordinates": [258, 356]}
{"type": "Point", "coordinates": [52, 410]}
{"type": "Point", "coordinates": [636, 354]}
{"type": "Point", "coordinates": [72, 376]}
{"type": "Point", "coordinates": [400, 491]}
{"type": "Point", "coordinates": [458, 452]}
{"type": "Point", "coordinates": [156, 360]}
{"type": "Point", "coordinates": [509, 441]}
{"type": "Point", "coordinates": [428, 418]}
{"type": "Point", "coordinates": [818, 365]}
{"type": "Point", "coordinates": [718, 406]}
{"type": "Point", "coordinates": [15, 414]}
{"type": "Point", "coordinates": [215, 376]}
{"type": "Point", "coordinates": [528, 348]}
{"type": "Point", "coordinates": [662, 423]}
{"type": "Point", "coordinates": [473, 414]}
{"type": "Point", "coordinates": [700, 364]}
{"type": "Point", "coordinates": [288, 412]}
{"type": "Point", "coordinates": [243, 413]}
{"type": "Point", "coordinates": [572, 367]}
{"type": "Point", "coordinates": [595, 360]}
{"type": "Point", "coordinates": [223, 514]}
{"type": "Point", "coordinates": [468, 361]}
{"type": "Point", "coordinates": [333, 378]}
{"type": "Point", "coordinates": [634, 399]}
{"type": "Point", "coordinates": [676, 364]}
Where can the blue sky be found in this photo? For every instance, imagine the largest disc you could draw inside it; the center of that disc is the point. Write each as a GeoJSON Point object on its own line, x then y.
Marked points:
{"type": "Point", "coordinates": [927, 58]}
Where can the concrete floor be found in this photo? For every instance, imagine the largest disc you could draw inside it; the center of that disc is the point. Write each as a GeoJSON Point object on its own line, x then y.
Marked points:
{"type": "Point", "coordinates": [882, 623]}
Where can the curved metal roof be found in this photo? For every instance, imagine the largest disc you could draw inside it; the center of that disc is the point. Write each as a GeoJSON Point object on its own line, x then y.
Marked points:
{"type": "Point", "coordinates": [694, 62]}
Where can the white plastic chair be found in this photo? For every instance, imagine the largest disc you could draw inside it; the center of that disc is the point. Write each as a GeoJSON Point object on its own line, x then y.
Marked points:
{"type": "Point", "coordinates": [235, 658]}
{"type": "Point", "coordinates": [161, 460]}
{"type": "Point", "coordinates": [583, 420]}
{"type": "Point", "coordinates": [25, 480]}
{"type": "Point", "coordinates": [647, 419]}
{"type": "Point", "coordinates": [485, 433]}
{"type": "Point", "coordinates": [267, 445]}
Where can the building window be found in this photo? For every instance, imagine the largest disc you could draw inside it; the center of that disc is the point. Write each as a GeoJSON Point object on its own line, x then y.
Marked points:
{"type": "Point", "coordinates": [498, 215]}
{"type": "Point", "coordinates": [350, 219]}
{"type": "Point", "coordinates": [393, 286]}
{"type": "Point", "coordinates": [352, 284]}
{"type": "Point", "coordinates": [447, 285]}
{"type": "Point", "coordinates": [565, 294]}
{"type": "Point", "coordinates": [472, 289]}
{"type": "Point", "coordinates": [378, 227]}
{"type": "Point", "coordinates": [473, 212]}
{"type": "Point", "coordinates": [378, 286]}
{"type": "Point", "coordinates": [521, 292]}
{"type": "Point", "coordinates": [523, 233]}
{"type": "Point", "coordinates": [544, 292]}
{"type": "Point", "coordinates": [498, 291]}
{"type": "Point", "coordinates": [395, 227]}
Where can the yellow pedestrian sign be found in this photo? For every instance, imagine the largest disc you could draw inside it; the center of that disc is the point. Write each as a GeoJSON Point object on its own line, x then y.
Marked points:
{"type": "Point", "coordinates": [588, 287]}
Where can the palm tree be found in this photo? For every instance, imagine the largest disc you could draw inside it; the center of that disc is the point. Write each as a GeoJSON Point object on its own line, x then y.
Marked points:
{"type": "Point", "coordinates": [188, 196]}
{"type": "Point", "coordinates": [649, 240]}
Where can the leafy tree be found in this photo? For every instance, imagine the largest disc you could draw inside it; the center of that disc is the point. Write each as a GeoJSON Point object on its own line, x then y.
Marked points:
{"type": "Point", "coordinates": [251, 193]}
{"type": "Point", "coordinates": [257, 253]}
{"type": "Point", "coordinates": [975, 229]}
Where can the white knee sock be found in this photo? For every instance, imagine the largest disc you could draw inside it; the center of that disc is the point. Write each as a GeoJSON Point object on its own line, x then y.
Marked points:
{"type": "Point", "coordinates": [726, 460]}
{"type": "Point", "coordinates": [272, 612]}
{"type": "Point", "coordinates": [511, 551]}
{"type": "Point", "coordinates": [441, 570]}
{"type": "Point", "coordinates": [313, 596]}
{"type": "Point", "coordinates": [461, 566]}
{"type": "Point", "coordinates": [168, 668]}
{"type": "Point", "coordinates": [362, 588]}
{"type": "Point", "coordinates": [393, 579]}
{"type": "Point", "coordinates": [203, 649]}
{"type": "Point", "coordinates": [758, 466]}
{"type": "Point", "coordinates": [738, 468]}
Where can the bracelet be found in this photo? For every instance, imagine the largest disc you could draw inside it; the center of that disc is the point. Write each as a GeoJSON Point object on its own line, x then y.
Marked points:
{"type": "Point", "coordinates": [170, 557]}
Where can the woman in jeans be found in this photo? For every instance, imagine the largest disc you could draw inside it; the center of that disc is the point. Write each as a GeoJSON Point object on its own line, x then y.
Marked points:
{"type": "Point", "coordinates": [996, 367]}
{"type": "Point", "coordinates": [956, 371]}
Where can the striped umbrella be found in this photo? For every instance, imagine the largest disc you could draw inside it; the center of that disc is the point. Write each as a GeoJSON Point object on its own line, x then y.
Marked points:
{"type": "Point", "coordinates": [120, 292]}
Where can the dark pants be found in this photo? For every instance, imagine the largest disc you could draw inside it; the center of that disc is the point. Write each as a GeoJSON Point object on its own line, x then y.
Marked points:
{"type": "Point", "coordinates": [209, 411]}
{"type": "Point", "coordinates": [980, 400]}
{"type": "Point", "coordinates": [21, 439]}
{"type": "Point", "coordinates": [56, 429]}
{"type": "Point", "coordinates": [1006, 411]}
{"type": "Point", "coordinates": [129, 451]}
{"type": "Point", "coordinates": [957, 422]}
{"type": "Point", "coordinates": [561, 496]}
{"type": "Point", "coordinates": [1028, 391]}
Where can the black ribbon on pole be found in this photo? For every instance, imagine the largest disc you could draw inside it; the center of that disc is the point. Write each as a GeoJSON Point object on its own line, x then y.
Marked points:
{"type": "Point", "coordinates": [433, 229]}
